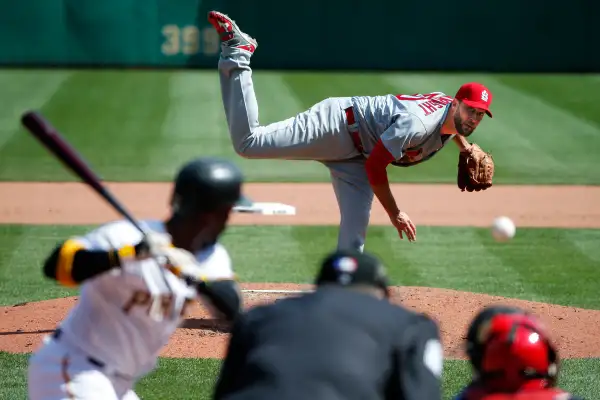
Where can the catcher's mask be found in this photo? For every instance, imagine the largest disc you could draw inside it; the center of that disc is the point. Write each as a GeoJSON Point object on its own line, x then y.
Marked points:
{"type": "Point", "coordinates": [509, 349]}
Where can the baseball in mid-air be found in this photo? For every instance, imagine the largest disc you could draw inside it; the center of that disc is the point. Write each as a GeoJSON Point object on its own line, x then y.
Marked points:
{"type": "Point", "coordinates": [503, 229]}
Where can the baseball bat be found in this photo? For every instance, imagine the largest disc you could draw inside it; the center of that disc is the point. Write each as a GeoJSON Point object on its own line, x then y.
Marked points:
{"type": "Point", "coordinates": [41, 128]}
{"type": "Point", "coordinates": [44, 132]}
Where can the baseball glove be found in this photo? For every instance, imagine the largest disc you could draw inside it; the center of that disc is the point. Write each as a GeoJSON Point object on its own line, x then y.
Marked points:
{"type": "Point", "coordinates": [475, 169]}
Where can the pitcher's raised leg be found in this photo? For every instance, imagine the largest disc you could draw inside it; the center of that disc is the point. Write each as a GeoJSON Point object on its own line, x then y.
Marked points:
{"type": "Point", "coordinates": [319, 133]}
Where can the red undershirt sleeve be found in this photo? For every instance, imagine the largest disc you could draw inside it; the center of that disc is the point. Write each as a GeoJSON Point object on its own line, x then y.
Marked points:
{"type": "Point", "coordinates": [377, 163]}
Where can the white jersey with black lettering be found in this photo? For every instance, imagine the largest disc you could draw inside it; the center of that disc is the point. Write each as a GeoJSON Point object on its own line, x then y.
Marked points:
{"type": "Point", "coordinates": [113, 321]}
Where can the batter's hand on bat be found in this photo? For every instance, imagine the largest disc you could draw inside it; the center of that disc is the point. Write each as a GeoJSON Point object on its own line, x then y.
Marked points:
{"type": "Point", "coordinates": [183, 264]}
{"type": "Point", "coordinates": [404, 225]}
{"type": "Point", "coordinates": [152, 245]}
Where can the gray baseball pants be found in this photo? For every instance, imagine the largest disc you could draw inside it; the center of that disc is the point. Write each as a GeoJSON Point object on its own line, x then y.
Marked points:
{"type": "Point", "coordinates": [319, 133]}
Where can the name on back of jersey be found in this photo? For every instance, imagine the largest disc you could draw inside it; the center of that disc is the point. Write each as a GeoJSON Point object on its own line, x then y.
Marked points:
{"type": "Point", "coordinates": [430, 102]}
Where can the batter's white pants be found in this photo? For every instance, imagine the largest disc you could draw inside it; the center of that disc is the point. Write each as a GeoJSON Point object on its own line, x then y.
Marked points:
{"type": "Point", "coordinates": [319, 133]}
{"type": "Point", "coordinates": [58, 372]}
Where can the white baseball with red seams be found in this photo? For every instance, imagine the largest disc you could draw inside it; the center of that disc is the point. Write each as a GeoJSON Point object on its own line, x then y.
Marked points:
{"type": "Point", "coordinates": [503, 229]}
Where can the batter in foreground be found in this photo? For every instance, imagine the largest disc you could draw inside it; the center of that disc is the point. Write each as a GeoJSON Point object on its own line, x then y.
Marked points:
{"type": "Point", "coordinates": [355, 137]}
{"type": "Point", "coordinates": [131, 302]}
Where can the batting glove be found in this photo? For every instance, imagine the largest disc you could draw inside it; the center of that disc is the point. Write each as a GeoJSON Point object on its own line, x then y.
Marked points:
{"type": "Point", "coordinates": [153, 244]}
{"type": "Point", "coordinates": [182, 263]}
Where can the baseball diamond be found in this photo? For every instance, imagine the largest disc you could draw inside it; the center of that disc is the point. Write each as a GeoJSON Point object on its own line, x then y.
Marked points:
{"type": "Point", "coordinates": [22, 327]}
{"type": "Point", "coordinates": [135, 127]}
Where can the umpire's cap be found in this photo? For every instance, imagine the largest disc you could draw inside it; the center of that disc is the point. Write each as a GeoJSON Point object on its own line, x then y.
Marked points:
{"type": "Point", "coordinates": [205, 184]}
{"type": "Point", "coordinates": [352, 267]}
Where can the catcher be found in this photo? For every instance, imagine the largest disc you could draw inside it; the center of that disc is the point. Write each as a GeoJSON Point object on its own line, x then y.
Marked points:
{"type": "Point", "coordinates": [512, 358]}
{"type": "Point", "coordinates": [356, 138]}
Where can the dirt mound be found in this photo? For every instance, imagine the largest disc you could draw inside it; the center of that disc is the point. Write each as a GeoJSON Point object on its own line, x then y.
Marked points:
{"type": "Point", "coordinates": [575, 330]}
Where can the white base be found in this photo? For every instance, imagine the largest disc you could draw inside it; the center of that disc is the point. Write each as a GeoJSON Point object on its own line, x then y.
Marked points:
{"type": "Point", "coordinates": [266, 208]}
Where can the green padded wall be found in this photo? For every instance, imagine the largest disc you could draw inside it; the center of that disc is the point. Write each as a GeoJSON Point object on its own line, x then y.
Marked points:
{"type": "Point", "coordinates": [512, 35]}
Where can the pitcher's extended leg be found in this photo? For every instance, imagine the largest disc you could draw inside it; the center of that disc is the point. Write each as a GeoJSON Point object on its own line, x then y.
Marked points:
{"type": "Point", "coordinates": [354, 197]}
{"type": "Point", "coordinates": [319, 133]}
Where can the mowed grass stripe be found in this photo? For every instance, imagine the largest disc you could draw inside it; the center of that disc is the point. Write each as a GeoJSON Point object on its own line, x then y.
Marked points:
{"type": "Point", "coordinates": [456, 374]}
{"type": "Point", "coordinates": [454, 258]}
{"type": "Point", "coordinates": [278, 254]}
{"type": "Point", "coordinates": [581, 376]}
{"type": "Point", "coordinates": [194, 124]}
{"type": "Point", "coordinates": [119, 120]}
{"type": "Point", "coordinates": [194, 379]}
{"type": "Point", "coordinates": [400, 268]}
{"type": "Point", "coordinates": [527, 135]}
{"type": "Point", "coordinates": [111, 117]}
{"type": "Point", "coordinates": [23, 249]}
{"type": "Point", "coordinates": [584, 240]}
{"type": "Point", "coordinates": [530, 267]}
{"type": "Point", "coordinates": [574, 93]}
{"type": "Point", "coordinates": [11, 240]}
{"type": "Point", "coordinates": [160, 384]}
{"type": "Point", "coordinates": [259, 254]}
{"type": "Point", "coordinates": [22, 91]}
{"type": "Point", "coordinates": [538, 264]}
{"type": "Point", "coordinates": [13, 375]}
{"type": "Point", "coordinates": [556, 270]}
{"type": "Point", "coordinates": [553, 132]}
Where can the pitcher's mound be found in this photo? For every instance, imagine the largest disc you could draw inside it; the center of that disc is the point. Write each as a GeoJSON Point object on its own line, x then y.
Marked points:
{"type": "Point", "coordinates": [575, 330]}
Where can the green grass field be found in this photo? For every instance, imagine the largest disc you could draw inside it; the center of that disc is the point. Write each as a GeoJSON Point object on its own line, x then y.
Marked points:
{"type": "Point", "coordinates": [140, 125]}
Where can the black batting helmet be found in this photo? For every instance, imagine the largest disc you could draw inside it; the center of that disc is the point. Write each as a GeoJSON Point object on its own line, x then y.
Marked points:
{"type": "Point", "coordinates": [205, 184]}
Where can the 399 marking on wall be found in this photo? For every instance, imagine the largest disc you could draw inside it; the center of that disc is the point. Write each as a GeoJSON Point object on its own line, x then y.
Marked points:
{"type": "Point", "coordinates": [189, 40]}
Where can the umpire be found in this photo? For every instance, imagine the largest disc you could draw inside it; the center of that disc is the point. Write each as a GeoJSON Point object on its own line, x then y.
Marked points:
{"type": "Point", "coordinates": [345, 341]}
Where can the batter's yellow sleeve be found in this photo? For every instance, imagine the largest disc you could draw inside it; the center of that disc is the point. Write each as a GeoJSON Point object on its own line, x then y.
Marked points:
{"type": "Point", "coordinates": [64, 267]}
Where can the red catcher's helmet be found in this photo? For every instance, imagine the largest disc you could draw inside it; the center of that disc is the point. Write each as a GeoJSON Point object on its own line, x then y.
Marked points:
{"type": "Point", "coordinates": [509, 350]}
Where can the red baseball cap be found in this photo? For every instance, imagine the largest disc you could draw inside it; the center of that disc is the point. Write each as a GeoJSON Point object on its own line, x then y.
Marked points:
{"type": "Point", "coordinates": [475, 95]}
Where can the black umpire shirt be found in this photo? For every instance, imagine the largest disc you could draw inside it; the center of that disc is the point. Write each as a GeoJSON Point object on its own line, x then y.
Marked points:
{"type": "Point", "coordinates": [331, 344]}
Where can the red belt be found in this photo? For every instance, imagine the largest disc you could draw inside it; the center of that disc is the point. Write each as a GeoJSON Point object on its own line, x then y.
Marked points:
{"type": "Point", "coordinates": [353, 129]}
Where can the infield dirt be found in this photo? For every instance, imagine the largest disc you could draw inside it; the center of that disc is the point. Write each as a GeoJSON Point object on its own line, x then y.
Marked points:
{"type": "Point", "coordinates": [574, 329]}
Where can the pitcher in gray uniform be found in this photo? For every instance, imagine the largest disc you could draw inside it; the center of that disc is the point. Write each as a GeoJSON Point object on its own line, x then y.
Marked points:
{"type": "Point", "coordinates": [355, 137]}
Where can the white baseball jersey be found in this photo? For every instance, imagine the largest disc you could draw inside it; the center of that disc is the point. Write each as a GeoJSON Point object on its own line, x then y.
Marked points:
{"type": "Point", "coordinates": [408, 126]}
{"type": "Point", "coordinates": [111, 321]}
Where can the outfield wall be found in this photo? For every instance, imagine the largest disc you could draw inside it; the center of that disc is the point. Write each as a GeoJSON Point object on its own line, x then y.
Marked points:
{"type": "Point", "coordinates": [519, 35]}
